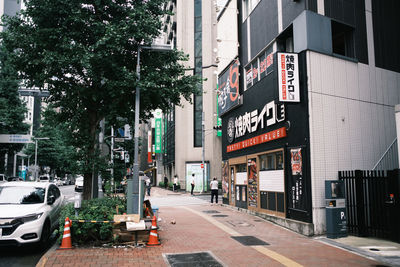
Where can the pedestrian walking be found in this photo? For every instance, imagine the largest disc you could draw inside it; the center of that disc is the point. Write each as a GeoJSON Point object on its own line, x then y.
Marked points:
{"type": "Point", "coordinates": [148, 186]}
{"type": "Point", "coordinates": [175, 182]}
{"type": "Point", "coordinates": [192, 184]}
{"type": "Point", "coordinates": [214, 190]}
{"type": "Point", "coordinates": [165, 182]}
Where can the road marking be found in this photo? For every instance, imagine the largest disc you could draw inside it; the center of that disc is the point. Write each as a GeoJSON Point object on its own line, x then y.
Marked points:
{"type": "Point", "coordinates": [276, 256]}
{"type": "Point", "coordinates": [267, 252]}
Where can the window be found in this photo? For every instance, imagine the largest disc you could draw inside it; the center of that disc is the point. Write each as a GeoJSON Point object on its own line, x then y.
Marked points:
{"type": "Point", "coordinates": [342, 39]}
{"type": "Point", "coordinates": [248, 7]}
{"type": "Point", "coordinates": [198, 69]}
{"type": "Point", "coordinates": [271, 161]}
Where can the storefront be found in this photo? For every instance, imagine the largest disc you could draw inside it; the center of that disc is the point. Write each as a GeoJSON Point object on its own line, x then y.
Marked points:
{"type": "Point", "coordinates": [265, 143]}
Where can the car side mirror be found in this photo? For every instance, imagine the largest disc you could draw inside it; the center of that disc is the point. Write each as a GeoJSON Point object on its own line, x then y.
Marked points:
{"type": "Point", "coordinates": [51, 200]}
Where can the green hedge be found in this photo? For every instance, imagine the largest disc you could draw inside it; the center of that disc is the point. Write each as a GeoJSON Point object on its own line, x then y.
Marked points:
{"type": "Point", "coordinates": [102, 209]}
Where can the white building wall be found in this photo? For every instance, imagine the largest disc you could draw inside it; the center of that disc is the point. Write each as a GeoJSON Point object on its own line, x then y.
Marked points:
{"type": "Point", "coordinates": [351, 112]}
{"type": "Point", "coordinates": [184, 139]}
{"type": "Point", "coordinates": [227, 38]}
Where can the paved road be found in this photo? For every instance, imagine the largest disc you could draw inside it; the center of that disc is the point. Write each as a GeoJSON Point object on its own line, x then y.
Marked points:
{"type": "Point", "coordinates": [29, 255]}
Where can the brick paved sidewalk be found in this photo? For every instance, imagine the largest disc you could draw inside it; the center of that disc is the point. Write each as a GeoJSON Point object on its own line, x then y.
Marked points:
{"type": "Point", "coordinates": [198, 231]}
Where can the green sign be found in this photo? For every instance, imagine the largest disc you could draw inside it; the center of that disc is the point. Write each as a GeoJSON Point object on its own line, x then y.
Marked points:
{"type": "Point", "coordinates": [157, 138]}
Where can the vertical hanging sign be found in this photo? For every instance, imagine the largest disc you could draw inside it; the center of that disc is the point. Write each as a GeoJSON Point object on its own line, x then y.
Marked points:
{"type": "Point", "coordinates": [157, 138]}
{"type": "Point", "coordinates": [288, 77]}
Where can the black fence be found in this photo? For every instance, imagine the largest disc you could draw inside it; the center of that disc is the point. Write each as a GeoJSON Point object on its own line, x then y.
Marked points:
{"type": "Point", "coordinates": [373, 203]}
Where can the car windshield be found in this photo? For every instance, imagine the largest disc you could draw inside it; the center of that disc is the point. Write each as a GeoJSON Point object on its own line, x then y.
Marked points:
{"type": "Point", "coordinates": [43, 178]}
{"type": "Point", "coordinates": [21, 195]}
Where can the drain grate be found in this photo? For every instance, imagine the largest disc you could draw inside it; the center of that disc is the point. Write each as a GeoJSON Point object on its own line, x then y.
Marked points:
{"type": "Point", "coordinates": [211, 211]}
{"type": "Point", "coordinates": [249, 240]}
{"type": "Point", "coordinates": [219, 215]}
{"type": "Point", "coordinates": [200, 259]}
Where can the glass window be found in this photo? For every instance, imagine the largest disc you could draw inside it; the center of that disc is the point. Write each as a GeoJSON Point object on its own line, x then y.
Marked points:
{"type": "Point", "coordinates": [197, 24]}
{"type": "Point", "coordinates": [197, 8]}
{"type": "Point", "coordinates": [241, 168]}
{"type": "Point", "coordinates": [271, 161]}
{"type": "Point", "coordinates": [21, 195]}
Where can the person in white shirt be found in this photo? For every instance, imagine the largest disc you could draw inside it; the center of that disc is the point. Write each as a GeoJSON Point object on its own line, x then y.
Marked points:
{"type": "Point", "coordinates": [192, 184]}
{"type": "Point", "coordinates": [214, 190]}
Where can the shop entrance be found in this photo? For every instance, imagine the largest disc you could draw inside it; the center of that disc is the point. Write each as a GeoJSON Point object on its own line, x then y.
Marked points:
{"type": "Point", "coordinates": [241, 196]}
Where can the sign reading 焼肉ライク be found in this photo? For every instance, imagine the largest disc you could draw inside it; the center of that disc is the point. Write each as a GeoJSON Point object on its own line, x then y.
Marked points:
{"type": "Point", "coordinates": [288, 77]}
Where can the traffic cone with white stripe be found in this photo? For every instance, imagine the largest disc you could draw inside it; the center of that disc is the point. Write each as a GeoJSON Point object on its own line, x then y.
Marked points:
{"type": "Point", "coordinates": [153, 238]}
{"type": "Point", "coordinates": [66, 241]}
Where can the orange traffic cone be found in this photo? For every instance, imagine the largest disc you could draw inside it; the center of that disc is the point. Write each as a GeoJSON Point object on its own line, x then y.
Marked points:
{"type": "Point", "coordinates": [153, 238]}
{"type": "Point", "coordinates": [66, 241]}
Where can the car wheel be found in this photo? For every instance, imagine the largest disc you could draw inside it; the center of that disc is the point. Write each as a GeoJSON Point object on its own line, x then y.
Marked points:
{"type": "Point", "coordinates": [44, 238]}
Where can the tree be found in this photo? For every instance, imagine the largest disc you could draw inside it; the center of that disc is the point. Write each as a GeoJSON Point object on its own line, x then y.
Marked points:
{"type": "Point", "coordinates": [57, 152]}
{"type": "Point", "coordinates": [12, 110]}
{"type": "Point", "coordinates": [84, 52]}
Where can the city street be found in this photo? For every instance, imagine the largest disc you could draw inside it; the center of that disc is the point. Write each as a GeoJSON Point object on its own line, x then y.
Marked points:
{"type": "Point", "coordinates": [29, 255]}
{"type": "Point", "coordinates": [194, 232]}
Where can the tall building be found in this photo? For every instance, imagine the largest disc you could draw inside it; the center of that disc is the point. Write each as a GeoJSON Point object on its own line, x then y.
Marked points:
{"type": "Point", "coordinates": [191, 144]}
{"type": "Point", "coordinates": [310, 92]}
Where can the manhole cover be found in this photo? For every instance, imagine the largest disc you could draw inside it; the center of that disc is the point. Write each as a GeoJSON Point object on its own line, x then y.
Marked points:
{"type": "Point", "coordinates": [249, 240]}
{"type": "Point", "coordinates": [192, 260]}
{"type": "Point", "coordinates": [211, 211]}
{"type": "Point", "coordinates": [239, 224]}
{"type": "Point", "coordinates": [219, 215]}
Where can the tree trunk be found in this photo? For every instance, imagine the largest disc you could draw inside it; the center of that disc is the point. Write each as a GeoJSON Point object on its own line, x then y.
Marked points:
{"type": "Point", "coordinates": [88, 175]}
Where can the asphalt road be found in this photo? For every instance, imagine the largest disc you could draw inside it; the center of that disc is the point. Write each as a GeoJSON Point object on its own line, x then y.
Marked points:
{"type": "Point", "coordinates": [29, 255]}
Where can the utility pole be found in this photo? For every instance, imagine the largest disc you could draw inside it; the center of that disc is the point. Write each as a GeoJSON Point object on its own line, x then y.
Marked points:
{"type": "Point", "coordinates": [112, 159]}
{"type": "Point", "coordinates": [203, 151]}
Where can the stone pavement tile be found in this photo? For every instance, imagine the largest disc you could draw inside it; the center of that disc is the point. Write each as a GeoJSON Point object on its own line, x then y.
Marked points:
{"type": "Point", "coordinates": [196, 231]}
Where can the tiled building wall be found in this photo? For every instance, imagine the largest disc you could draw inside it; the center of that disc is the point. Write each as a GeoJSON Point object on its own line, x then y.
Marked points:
{"type": "Point", "coordinates": [352, 121]}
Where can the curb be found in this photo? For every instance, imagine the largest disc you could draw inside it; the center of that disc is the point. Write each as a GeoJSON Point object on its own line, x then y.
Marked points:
{"type": "Point", "coordinates": [43, 260]}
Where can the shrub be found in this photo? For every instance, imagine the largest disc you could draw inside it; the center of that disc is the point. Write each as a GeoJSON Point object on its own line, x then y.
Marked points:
{"type": "Point", "coordinates": [102, 209]}
{"type": "Point", "coordinates": [161, 184]}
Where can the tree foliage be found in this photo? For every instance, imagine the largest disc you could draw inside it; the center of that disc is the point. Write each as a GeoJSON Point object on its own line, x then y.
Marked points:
{"type": "Point", "coordinates": [12, 110]}
{"type": "Point", "coordinates": [56, 152]}
{"type": "Point", "coordinates": [84, 52]}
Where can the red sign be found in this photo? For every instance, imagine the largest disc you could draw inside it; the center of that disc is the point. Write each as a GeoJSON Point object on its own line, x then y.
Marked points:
{"type": "Point", "coordinates": [263, 138]}
{"type": "Point", "coordinates": [202, 166]}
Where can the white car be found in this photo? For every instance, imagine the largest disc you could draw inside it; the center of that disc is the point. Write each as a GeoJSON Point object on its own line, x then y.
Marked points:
{"type": "Point", "coordinates": [58, 182]}
{"type": "Point", "coordinates": [79, 184]}
{"type": "Point", "coordinates": [29, 212]}
{"type": "Point", "coordinates": [44, 178]}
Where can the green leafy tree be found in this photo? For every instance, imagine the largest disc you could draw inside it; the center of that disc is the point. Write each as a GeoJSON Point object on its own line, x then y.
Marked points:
{"type": "Point", "coordinates": [84, 52]}
{"type": "Point", "coordinates": [57, 152]}
{"type": "Point", "coordinates": [12, 110]}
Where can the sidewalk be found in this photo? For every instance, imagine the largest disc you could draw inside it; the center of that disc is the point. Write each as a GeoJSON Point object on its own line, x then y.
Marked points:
{"type": "Point", "coordinates": [207, 230]}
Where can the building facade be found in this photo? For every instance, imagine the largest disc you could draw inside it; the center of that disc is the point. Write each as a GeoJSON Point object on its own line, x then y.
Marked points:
{"type": "Point", "coordinates": [190, 141]}
{"type": "Point", "coordinates": [310, 92]}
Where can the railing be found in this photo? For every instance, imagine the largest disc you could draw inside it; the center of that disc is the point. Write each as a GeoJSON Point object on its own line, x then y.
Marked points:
{"type": "Point", "coordinates": [389, 159]}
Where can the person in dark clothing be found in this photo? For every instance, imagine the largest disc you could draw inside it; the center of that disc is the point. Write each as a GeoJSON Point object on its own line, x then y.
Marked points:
{"type": "Point", "coordinates": [214, 190]}
{"type": "Point", "coordinates": [192, 184]}
{"type": "Point", "coordinates": [165, 182]}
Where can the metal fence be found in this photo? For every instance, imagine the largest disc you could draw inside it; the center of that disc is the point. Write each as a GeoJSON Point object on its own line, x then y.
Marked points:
{"type": "Point", "coordinates": [372, 202]}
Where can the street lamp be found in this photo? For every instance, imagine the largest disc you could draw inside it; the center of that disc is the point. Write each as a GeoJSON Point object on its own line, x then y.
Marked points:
{"type": "Point", "coordinates": [36, 145]}
{"type": "Point", "coordinates": [132, 185]}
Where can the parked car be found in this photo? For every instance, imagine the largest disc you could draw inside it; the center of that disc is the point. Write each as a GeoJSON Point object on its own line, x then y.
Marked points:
{"type": "Point", "coordinates": [29, 212]}
{"type": "Point", "coordinates": [3, 178]}
{"type": "Point", "coordinates": [79, 184]}
{"type": "Point", "coordinates": [15, 179]}
{"type": "Point", "coordinates": [44, 178]}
